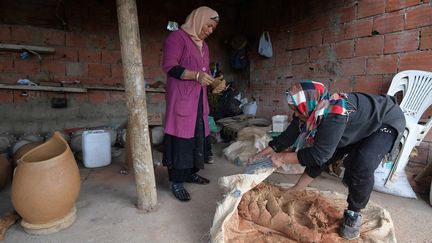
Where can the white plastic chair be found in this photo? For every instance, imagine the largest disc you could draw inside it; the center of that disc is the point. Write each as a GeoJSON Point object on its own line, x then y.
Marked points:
{"type": "Point", "coordinates": [416, 87]}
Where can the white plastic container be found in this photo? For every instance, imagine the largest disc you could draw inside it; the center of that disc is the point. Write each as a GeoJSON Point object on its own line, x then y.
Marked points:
{"type": "Point", "coordinates": [280, 123]}
{"type": "Point", "coordinates": [96, 148]}
{"type": "Point", "coordinates": [250, 108]}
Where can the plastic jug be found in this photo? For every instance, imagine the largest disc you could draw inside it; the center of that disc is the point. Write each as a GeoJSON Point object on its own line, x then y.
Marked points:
{"type": "Point", "coordinates": [96, 148]}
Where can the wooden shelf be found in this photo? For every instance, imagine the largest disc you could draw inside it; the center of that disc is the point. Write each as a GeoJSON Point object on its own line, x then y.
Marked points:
{"type": "Point", "coordinates": [83, 89]}
{"type": "Point", "coordinates": [120, 88]}
{"type": "Point", "coordinates": [44, 88]}
{"type": "Point", "coordinates": [19, 48]}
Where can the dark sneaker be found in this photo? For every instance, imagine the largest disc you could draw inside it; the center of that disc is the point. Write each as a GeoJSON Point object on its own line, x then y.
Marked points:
{"type": "Point", "coordinates": [210, 160]}
{"type": "Point", "coordinates": [350, 229]}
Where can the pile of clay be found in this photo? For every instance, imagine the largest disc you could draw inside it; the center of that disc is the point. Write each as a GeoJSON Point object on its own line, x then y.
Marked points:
{"type": "Point", "coordinates": [269, 213]}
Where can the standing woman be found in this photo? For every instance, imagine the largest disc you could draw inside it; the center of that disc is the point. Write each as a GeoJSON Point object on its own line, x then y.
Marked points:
{"type": "Point", "coordinates": [186, 62]}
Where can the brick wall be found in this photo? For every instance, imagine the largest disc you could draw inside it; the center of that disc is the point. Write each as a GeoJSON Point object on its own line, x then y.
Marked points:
{"type": "Point", "coordinates": [348, 45]}
{"type": "Point", "coordinates": [87, 50]}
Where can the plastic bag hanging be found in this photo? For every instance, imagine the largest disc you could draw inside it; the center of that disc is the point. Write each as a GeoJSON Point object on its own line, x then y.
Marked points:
{"type": "Point", "coordinates": [265, 46]}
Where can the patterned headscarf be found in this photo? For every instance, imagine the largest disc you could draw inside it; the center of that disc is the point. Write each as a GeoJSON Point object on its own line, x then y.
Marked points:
{"type": "Point", "coordinates": [312, 100]}
{"type": "Point", "coordinates": [196, 20]}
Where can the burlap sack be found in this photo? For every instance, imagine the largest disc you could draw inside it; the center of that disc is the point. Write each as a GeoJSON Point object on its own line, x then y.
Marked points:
{"type": "Point", "coordinates": [377, 225]}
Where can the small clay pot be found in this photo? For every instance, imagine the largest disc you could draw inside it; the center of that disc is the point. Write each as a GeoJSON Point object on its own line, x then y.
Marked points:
{"type": "Point", "coordinates": [46, 184]}
{"type": "Point", "coordinates": [5, 171]}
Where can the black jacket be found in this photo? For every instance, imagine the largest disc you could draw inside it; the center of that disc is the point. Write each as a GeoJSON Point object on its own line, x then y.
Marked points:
{"type": "Point", "coordinates": [337, 131]}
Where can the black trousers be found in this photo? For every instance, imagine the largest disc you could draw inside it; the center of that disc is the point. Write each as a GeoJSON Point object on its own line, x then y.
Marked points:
{"type": "Point", "coordinates": [360, 163]}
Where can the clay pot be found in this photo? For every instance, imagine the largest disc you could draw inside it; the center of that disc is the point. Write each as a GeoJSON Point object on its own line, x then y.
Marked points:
{"type": "Point", "coordinates": [23, 150]}
{"type": "Point", "coordinates": [5, 171]}
{"type": "Point", "coordinates": [46, 183]}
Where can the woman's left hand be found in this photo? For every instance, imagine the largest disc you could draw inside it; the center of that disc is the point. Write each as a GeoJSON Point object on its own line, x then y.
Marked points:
{"type": "Point", "coordinates": [278, 159]}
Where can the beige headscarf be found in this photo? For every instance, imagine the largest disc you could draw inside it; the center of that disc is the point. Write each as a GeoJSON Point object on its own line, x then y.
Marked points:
{"type": "Point", "coordinates": [195, 21]}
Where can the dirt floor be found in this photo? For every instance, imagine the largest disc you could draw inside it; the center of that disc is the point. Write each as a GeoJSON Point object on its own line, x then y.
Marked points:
{"type": "Point", "coordinates": [106, 210]}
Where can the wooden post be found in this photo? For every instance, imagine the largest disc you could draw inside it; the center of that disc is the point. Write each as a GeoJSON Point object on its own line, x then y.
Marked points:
{"type": "Point", "coordinates": [136, 103]}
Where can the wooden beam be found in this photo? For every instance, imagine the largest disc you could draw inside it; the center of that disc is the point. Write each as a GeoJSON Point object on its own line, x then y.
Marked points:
{"type": "Point", "coordinates": [19, 48]}
{"type": "Point", "coordinates": [138, 129]}
{"type": "Point", "coordinates": [43, 88]}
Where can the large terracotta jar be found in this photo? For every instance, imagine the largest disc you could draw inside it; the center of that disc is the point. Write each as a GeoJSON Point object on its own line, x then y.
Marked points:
{"type": "Point", "coordinates": [45, 186]}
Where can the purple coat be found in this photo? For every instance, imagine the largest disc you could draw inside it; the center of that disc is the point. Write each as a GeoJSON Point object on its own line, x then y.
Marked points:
{"type": "Point", "coordinates": [182, 95]}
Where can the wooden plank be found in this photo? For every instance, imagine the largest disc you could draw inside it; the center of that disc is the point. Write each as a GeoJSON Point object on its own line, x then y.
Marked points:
{"type": "Point", "coordinates": [121, 88]}
{"type": "Point", "coordinates": [19, 48]}
{"type": "Point", "coordinates": [44, 88]}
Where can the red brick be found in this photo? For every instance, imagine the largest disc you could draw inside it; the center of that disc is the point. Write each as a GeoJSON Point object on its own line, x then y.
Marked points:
{"type": "Point", "coordinates": [97, 41]}
{"type": "Point", "coordinates": [370, 7]}
{"type": "Point", "coordinates": [76, 40]}
{"type": "Point", "coordinates": [319, 52]}
{"type": "Point", "coordinates": [22, 34]}
{"type": "Point", "coordinates": [313, 38]}
{"type": "Point", "coordinates": [341, 84]}
{"type": "Point", "coordinates": [6, 96]}
{"type": "Point", "coordinates": [86, 55]}
{"type": "Point", "coordinates": [6, 66]}
{"type": "Point", "coordinates": [99, 96]}
{"type": "Point", "coordinates": [359, 28]}
{"type": "Point", "coordinates": [53, 37]}
{"type": "Point", "coordinates": [369, 84]}
{"type": "Point", "coordinates": [78, 97]}
{"type": "Point", "coordinates": [99, 70]}
{"type": "Point", "coordinates": [282, 59]}
{"type": "Point", "coordinates": [27, 67]}
{"type": "Point", "coordinates": [390, 22]}
{"type": "Point", "coordinates": [301, 71]}
{"type": "Point", "coordinates": [116, 71]}
{"type": "Point", "coordinates": [382, 65]}
{"type": "Point", "coordinates": [419, 16]}
{"type": "Point", "coordinates": [393, 5]}
{"type": "Point", "coordinates": [319, 21]}
{"type": "Point", "coordinates": [20, 96]}
{"type": "Point", "coordinates": [157, 98]}
{"type": "Point", "coordinates": [418, 60]}
{"type": "Point", "coordinates": [109, 81]}
{"type": "Point", "coordinates": [295, 41]}
{"type": "Point", "coordinates": [401, 42]}
{"type": "Point", "coordinates": [118, 97]}
{"type": "Point", "coordinates": [300, 56]}
{"type": "Point", "coordinates": [57, 68]}
{"type": "Point", "coordinates": [111, 57]}
{"type": "Point", "coordinates": [369, 46]}
{"type": "Point", "coordinates": [346, 14]}
{"type": "Point", "coordinates": [334, 35]}
{"type": "Point", "coordinates": [64, 54]}
{"type": "Point", "coordinates": [426, 39]}
{"type": "Point", "coordinates": [344, 49]}
{"type": "Point", "coordinates": [5, 32]}
{"type": "Point", "coordinates": [353, 66]}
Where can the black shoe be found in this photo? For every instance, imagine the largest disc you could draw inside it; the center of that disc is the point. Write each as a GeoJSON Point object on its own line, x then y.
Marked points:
{"type": "Point", "coordinates": [350, 229]}
{"type": "Point", "coordinates": [209, 160]}
{"type": "Point", "coordinates": [197, 179]}
{"type": "Point", "coordinates": [180, 192]}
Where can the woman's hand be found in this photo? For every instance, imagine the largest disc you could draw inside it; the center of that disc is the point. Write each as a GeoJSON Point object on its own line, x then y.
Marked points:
{"type": "Point", "coordinates": [264, 153]}
{"type": "Point", "coordinates": [221, 86]}
{"type": "Point", "coordinates": [204, 79]}
{"type": "Point", "coordinates": [278, 159]}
